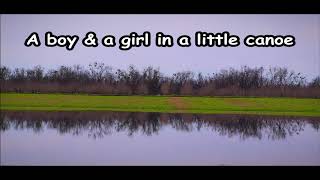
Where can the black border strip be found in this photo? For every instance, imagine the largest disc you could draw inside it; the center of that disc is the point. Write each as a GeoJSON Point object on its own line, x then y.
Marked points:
{"type": "Point", "coordinates": [157, 172]}
{"type": "Point", "coordinates": [160, 7]}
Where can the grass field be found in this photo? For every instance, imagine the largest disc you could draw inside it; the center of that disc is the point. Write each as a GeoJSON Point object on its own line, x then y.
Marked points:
{"type": "Point", "coordinates": [210, 105]}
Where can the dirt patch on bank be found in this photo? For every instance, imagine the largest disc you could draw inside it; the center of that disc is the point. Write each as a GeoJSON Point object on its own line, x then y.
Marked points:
{"type": "Point", "coordinates": [178, 102]}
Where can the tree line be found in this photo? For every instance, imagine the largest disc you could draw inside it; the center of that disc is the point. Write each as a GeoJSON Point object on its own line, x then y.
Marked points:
{"type": "Point", "coordinates": [99, 78]}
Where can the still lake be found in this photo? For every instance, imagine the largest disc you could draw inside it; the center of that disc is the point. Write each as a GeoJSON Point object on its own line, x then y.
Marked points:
{"type": "Point", "coordinates": [124, 138]}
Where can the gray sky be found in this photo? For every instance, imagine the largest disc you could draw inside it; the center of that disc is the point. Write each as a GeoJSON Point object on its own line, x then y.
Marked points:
{"type": "Point", "coordinates": [303, 57]}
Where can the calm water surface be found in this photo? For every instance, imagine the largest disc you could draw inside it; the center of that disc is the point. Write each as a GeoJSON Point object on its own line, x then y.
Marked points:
{"type": "Point", "coordinates": [114, 138]}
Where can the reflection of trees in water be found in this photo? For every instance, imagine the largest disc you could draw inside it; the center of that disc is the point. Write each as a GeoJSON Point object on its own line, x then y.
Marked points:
{"type": "Point", "coordinates": [99, 124]}
{"type": "Point", "coordinates": [278, 131]}
{"type": "Point", "coordinates": [245, 126]}
{"type": "Point", "coordinates": [17, 123]}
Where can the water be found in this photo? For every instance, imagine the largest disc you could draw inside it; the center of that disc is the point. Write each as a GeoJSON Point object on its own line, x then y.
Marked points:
{"type": "Point", "coordinates": [114, 138]}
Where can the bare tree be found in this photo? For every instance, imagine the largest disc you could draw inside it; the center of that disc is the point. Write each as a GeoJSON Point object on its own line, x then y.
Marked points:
{"type": "Point", "coordinates": [99, 78]}
{"type": "Point", "coordinates": [4, 73]}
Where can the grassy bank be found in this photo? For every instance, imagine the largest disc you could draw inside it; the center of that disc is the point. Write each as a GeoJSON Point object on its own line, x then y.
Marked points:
{"type": "Point", "coordinates": [211, 105]}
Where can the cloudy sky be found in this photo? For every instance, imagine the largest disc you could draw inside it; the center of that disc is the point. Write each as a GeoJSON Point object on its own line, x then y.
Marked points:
{"type": "Point", "coordinates": [303, 57]}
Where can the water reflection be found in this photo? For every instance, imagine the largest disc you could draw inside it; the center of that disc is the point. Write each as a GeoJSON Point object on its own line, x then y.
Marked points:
{"type": "Point", "coordinates": [100, 124]}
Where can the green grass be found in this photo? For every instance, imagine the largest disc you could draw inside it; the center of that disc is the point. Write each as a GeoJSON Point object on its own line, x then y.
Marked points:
{"type": "Point", "coordinates": [210, 105]}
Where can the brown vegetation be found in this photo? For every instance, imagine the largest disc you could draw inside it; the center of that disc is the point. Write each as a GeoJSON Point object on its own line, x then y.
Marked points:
{"type": "Point", "coordinates": [101, 79]}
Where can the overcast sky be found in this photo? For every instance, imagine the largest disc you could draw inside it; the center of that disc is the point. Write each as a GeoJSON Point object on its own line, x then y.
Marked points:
{"type": "Point", "coordinates": [303, 57]}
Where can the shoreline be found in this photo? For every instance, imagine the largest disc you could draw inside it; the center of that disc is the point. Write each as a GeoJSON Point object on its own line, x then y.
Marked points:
{"type": "Point", "coordinates": [281, 106]}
